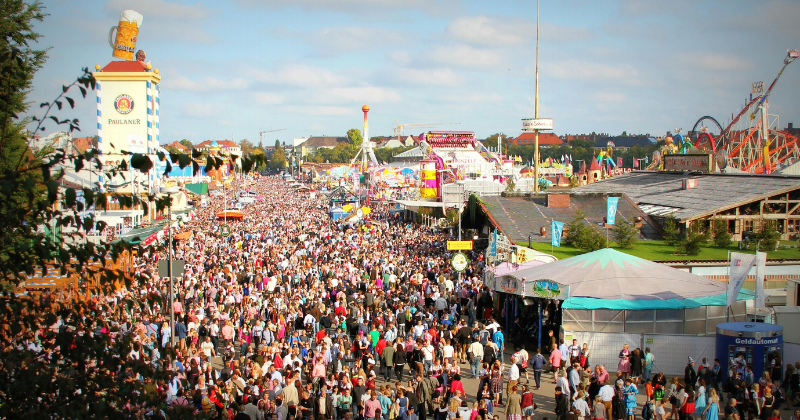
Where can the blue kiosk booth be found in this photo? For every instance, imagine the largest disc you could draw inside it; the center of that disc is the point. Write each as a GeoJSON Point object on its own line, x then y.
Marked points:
{"type": "Point", "coordinates": [748, 343]}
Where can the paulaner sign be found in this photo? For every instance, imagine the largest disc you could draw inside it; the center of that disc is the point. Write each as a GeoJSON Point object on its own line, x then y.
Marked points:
{"type": "Point", "coordinates": [752, 341]}
{"type": "Point", "coordinates": [691, 163]}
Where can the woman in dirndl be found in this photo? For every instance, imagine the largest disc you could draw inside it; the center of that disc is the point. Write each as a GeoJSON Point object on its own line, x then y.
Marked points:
{"type": "Point", "coordinates": [514, 407]}
{"type": "Point", "coordinates": [624, 362]}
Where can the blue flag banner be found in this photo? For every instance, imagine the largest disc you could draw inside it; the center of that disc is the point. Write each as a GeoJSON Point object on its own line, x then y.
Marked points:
{"type": "Point", "coordinates": [611, 210]}
{"type": "Point", "coordinates": [493, 245]}
{"type": "Point", "coordinates": [558, 230]}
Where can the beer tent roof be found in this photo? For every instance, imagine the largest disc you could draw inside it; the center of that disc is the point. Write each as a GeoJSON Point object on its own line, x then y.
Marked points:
{"type": "Point", "coordinates": [609, 279]}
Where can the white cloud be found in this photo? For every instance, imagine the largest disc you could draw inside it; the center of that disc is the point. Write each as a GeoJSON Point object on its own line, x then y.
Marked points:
{"type": "Point", "coordinates": [440, 76]}
{"type": "Point", "coordinates": [609, 97]}
{"type": "Point", "coordinates": [268, 98]}
{"type": "Point", "coordinates": [594, 72]}
{"type": "Point", "coordinates": [353, 38]}
{"type": "Point", "coordinates": [201, 110]}
{"type": "Point", "coordinates": [400, 57]}
{"type": "Point", "coordinates": [159, 9]}
{"type": "Point", "coordinates": [317, 110]}
{"type": "Point", "coordinates": [484, 30]}
{"type": "Point", "coordinates": [358, 94]}
{"type": "Point", "coordinates": [207, 84]}
{"type": "Point", "coordinates": [490, 31]}
{"type": "Point", "coordinates": [465, 56]}
{"type": "Point", "coordinates": [718, 62]}
{"type": "Point", "coordinates": [296, 75]}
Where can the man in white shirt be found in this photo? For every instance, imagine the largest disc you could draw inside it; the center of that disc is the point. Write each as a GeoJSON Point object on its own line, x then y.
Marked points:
{"type": "Point", "coordinates": [582, 406]}
{"type": "Point", "coordinates": [574, 351]}
{"type": "Point", "coordinates": [428, 352]}
{"type": "Point", "coordinates": [476, 351]}
{"type": "Point", "coordinates": [208, 348]}
{"type": "Point", "coordinates": [513, 375]}
{"type": "Point", "coordinates": [606, 394]}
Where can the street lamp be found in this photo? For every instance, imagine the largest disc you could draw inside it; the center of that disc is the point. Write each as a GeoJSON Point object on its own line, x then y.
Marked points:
{"type": "Point", "coordinates": [170, 191]}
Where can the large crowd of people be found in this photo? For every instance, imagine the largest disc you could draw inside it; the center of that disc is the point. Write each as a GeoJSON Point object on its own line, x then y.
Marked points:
{"type": "Point", "coordinates": [292, 316]}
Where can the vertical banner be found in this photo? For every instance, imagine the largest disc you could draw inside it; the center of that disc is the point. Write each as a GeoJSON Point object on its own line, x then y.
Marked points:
{"type": "Point", "coordinates": [611, 210]}
{"type": "Point", "coordinates": [558, 230]}
{"type": "Point", "coordinates": [761, 265]}
{"type": "Point", "coordinates": [493, 245]}
{"type": "Point", "coordinates": [740, 267]}
{"type": "Point", "coordinates": [619, 162]}
{"type": "Point", "coordinates": [635, 163]}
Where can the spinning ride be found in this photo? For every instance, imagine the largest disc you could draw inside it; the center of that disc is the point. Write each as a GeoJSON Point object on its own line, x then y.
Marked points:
{"type": "Point", "coordinates": [753, 141]}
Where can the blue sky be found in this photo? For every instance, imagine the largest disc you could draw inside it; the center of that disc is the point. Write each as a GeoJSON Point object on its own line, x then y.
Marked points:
{"type": "Point", "coordinates": [231, 68]}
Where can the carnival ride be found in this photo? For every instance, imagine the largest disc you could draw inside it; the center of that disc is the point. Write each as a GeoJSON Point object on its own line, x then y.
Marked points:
{"type": "Point", "coordinates": [754, 144]}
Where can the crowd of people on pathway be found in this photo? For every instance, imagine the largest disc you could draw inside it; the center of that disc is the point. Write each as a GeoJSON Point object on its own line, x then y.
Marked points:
{"type": "Point", "coordinates": [292, 316]}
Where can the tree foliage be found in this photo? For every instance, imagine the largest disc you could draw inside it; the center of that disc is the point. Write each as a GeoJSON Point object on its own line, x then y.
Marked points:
{"type": "Point", "coordinates": [694, 238]}
{"type": "Point", "coordinates": [671, 230]}
{"type": "Point", "coordinates": [719, 229]}
{"type": "Point", "coordinates": [247, 147]}
{"type": "Point", "coordinates": [354, 137]}
{"type": "Point", "coordinates": [625, 234]}
{"type": "Point", "coordinates": [78, 373]}
{"type": "Point", "coordinates": [583, 236]}
{"type": "Point", "coordinates": [187, 143]}
{"type": "Point", "coordinates": [767, 236]}
{"type": "Point", "coordinates": [278, 159]}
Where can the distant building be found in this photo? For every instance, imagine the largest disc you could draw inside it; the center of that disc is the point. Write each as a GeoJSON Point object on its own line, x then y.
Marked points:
{"type": "Point", "coordinates": [545, 140]}
{"type": "Point", "coordinates": [227, 147]}
{"type": "Point", "coordinates": [178, 146]}
{"type": "Point", "coordinates": [742, 200]}
{"type": "Point", "coordinates": [623, 142]}
{"type": "Point", "coordinates": [310, 146]}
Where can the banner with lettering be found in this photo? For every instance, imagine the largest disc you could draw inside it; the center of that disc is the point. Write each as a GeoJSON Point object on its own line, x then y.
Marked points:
{"type": "Point", "coordinates": [740, 267]}
{"type": "Point", "coordinates": [761, 265]}
{"type": "Point", "coordinates": [558, 230]}
{"type": "Point", "coordinates": [611, 210]}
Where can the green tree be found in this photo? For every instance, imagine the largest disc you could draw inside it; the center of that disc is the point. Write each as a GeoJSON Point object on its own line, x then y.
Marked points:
{"type": "Point", "coordinates": [583, 236]}
{"type": "Point", "coordinates": [722, 237]}
{"type": "Point", "coordinates": [354, 136]}
{"type": "Point", "coordinates": [693, 240]}
{"type": "Point", "coordinates": [767, 236]}
{"type": "Point", "coordinates": [247, 147]}
{"type": "Point", "coordinates": [625, 234]}
{"type": "Point", "coordinates": [671, 230]}
{"type": "Point", "coordinates": [278, 160]}
{"type": "Point", "coordinates": [187, 143]}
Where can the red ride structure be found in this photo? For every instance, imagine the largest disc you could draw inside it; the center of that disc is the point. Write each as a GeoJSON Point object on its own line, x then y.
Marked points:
{"type": "Point", "coordinates": [754, 143]}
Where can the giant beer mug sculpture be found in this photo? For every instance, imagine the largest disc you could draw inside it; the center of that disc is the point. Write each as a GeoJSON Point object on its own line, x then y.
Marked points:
{"type": "Point", "coordinates": [124, 43]}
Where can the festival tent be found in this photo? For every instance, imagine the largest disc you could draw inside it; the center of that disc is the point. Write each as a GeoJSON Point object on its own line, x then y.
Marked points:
{"type": "Point", "coordinates": [609, 279]}
{"type": "Point", "coordinates": [183, 236]}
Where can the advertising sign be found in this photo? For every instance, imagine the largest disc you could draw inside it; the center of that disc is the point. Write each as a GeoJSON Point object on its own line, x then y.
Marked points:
{"type": "Point", "coordinates": [546, 289]}
{"type": "Point", "coordinates": [693, 163]}
{"type": "Point", "coordinates": [532, 124]}
{"type": "Point", "coordinates": [459, 245]}
{"type": "Point", "coordinates": [459, 262]}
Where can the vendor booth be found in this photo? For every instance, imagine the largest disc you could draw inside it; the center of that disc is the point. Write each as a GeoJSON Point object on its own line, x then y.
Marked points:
{"type": "Point", "coordinates": [614, 298]}
{"type": "Point", "coordinates": [742, 344]}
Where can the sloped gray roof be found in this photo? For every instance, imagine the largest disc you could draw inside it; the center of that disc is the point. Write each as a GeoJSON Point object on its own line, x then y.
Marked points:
{"type": "Point", "coordinates": [519, 217]}
{"type": "Point", "coordinates": [412, 154]}
{"type": "Point", "coordinates": [713, 193]}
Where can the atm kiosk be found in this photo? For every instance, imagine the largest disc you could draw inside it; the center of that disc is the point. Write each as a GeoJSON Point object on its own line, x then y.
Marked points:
{"type": "Point", "coordinates": [743, 344]}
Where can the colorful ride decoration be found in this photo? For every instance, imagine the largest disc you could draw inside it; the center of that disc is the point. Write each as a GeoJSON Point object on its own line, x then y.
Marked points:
{"type": "Point", "coordinates": [429, 179]}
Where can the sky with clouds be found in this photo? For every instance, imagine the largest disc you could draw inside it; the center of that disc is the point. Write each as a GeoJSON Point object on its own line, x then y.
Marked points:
{"type": "Point", "coordinates": [231, 68]}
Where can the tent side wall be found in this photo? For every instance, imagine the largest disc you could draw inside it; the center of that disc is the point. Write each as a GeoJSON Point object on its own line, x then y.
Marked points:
{"type": "Point", "coordinates": [701, 320]}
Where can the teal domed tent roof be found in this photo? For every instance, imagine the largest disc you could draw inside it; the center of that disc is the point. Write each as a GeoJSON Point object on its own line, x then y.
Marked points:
{"type": "Point", "coordinates": [610, 279]}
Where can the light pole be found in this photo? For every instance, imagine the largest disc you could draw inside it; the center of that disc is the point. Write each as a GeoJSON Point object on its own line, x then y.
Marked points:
{"type": "Point", "coordinates": [536, 111]}
{"type": "Point", "coordinates": [169, 191]}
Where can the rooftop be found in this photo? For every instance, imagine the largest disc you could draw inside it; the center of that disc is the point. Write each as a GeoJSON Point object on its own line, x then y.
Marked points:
{"type": "Point", "coordinates": [324, 141]}
{"type": "Point", "coordinates": [125, 67]}
{"type": "Point", "coordinates": [519, 217]}
{"type": "Point", "coordinates": [545, 139]}
{"type": "Point", "coordinates": [660, 191]}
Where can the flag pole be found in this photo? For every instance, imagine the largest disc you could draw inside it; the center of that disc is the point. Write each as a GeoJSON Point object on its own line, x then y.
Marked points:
{"type": "Point", "coordinates": [727, 289]}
